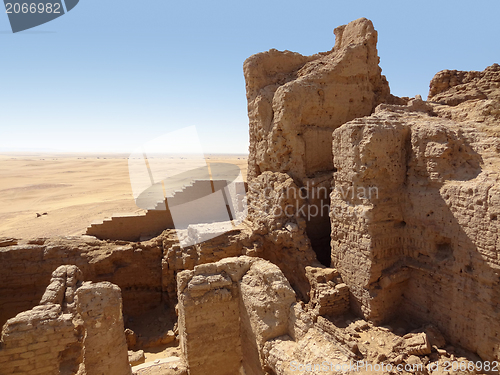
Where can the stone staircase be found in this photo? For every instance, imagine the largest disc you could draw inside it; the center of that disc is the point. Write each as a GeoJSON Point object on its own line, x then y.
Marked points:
{"type": "Point", "coordinates": [134, 227]}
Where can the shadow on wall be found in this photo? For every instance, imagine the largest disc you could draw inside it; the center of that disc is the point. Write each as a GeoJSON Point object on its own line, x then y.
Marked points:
{"type": "Point", "coordinates": [445, 256]}
{"type": "Point", "coordinates": [454, 269]}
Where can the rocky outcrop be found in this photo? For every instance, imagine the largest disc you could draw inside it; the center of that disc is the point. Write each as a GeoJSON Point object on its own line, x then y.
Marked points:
{"type": "Point", "coordinates": [294, 104]}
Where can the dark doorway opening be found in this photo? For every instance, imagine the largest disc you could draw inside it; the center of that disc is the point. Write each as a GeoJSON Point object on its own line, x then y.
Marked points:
{"type": "Point", "coordinates": [318, 231]}
{"type": "Point", "coordinates": [321, 247]}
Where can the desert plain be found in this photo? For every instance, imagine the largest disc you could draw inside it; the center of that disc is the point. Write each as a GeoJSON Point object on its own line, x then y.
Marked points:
{"type": "Point", "coordinates": [72, 189]}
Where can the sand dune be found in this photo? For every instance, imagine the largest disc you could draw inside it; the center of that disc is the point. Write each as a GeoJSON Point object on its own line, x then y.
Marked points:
{"type": "Point", "coordinates": [72, 189]}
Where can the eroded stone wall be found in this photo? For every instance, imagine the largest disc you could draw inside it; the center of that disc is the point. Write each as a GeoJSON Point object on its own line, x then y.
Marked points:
{"type": "Point", "coordinates": [40, 341]}
{"type": "Point", "coordinates": [191, 204]}
{"type": "Point", "coordinates": [366, 207]}
{"type": "Point", "coordinates": [277, 228]}
{"type": "Point", "coordinates": [76, 329]}
{"type": "Point", "coordinates": [26, 268]}
{"type": "Point", "coordinates": [228, 310]}
{"type": "Point", "coordinates": [294, 104]}
{"type": "Point", "coordinates": [104, 345]}
{"type": "Point", "coordinates": [426, 244]}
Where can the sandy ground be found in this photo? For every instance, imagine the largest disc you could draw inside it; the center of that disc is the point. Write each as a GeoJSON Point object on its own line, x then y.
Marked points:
{"type": "Point", "coordinates": [72, 189]}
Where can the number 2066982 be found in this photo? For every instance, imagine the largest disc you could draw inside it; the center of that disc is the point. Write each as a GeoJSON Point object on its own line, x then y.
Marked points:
{"type": "Point", "coordinates": [33, 8]}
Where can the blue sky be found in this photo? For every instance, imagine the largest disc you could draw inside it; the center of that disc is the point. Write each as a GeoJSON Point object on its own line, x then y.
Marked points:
{"type": "Point", "coordinates": [110, 75]}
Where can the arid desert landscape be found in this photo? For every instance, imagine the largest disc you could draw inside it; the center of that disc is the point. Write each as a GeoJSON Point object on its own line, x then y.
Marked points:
{"type": "Point", "coordinates": [365, 238]}
{"type": "Point", "coordinates": [72, 189]}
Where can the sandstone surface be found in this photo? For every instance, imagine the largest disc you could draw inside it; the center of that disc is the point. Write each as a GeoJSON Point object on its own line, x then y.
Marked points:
{"type": "Point", "coordinates": [294, 104]}
{"type": "Point", "coordinates": [76, 329]}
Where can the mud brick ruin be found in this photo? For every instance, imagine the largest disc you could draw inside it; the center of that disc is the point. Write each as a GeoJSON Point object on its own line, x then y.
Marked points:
{"type": "Point", "coordinates": [372, 235]}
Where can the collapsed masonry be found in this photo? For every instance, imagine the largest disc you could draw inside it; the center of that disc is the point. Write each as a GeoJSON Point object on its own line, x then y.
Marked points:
{"type": "Point", "coordinates": [411, 228]}
{"type": "Point", "coordinates": [76, 329]}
